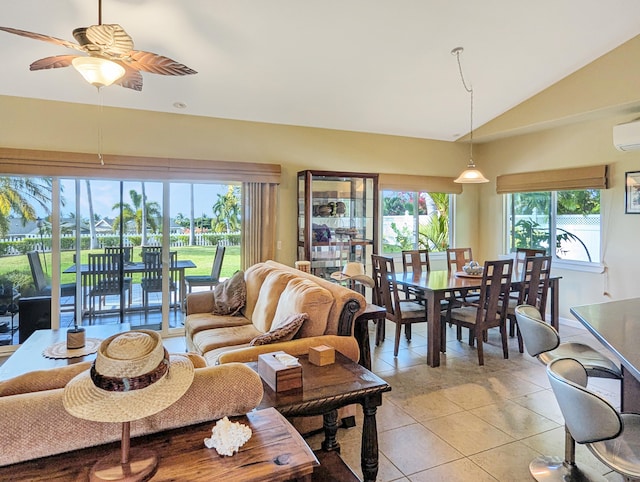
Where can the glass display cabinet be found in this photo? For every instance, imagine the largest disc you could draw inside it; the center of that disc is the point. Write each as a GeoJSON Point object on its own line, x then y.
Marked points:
{"type": "Point", "coordinates": [337, 219]}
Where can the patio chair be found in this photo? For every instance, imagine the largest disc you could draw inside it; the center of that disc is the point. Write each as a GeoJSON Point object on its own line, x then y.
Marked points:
{"type": "Point", "coordinates": [125, 251]}
{"type": "Point", "coordinates": [104, 279]}
{"type": "Point", "coordinates": [42, 285]}
{"type": "Point", "coordinates": [152, 281]}
{"type": "Point", "coordinates": [208, 280]}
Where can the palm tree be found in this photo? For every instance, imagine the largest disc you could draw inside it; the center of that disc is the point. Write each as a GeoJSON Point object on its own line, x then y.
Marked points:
{"type": "Point", "coordinates": [134, 212]}
{"type": "Point", "coordinates": [18, 195]}
{"type": "Point", "coordinates": [227, 211]}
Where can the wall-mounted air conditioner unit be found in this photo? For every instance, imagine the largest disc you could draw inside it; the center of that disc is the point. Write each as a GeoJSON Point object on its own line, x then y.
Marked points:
{"type": "Point", "coordinates": [626, 137]}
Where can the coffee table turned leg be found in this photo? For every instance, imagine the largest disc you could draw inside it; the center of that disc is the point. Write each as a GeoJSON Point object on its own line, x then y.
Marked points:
{"type": "Point", "coordinates": [369, 448]}
{"type": "Point", "coordinates": [330, 423]}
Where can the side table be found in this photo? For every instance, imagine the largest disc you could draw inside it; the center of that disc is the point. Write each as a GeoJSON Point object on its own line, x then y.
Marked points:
{"type": "Point", "coordinates": [327, 388]}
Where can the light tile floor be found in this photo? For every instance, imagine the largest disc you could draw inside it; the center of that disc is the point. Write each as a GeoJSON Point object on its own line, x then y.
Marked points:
{"type": "Point", "coordinates": [464, 422]}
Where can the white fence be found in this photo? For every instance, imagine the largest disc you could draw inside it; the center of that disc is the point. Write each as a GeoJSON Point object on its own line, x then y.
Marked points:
{"type": "Point", "coordinates": [43, 243]}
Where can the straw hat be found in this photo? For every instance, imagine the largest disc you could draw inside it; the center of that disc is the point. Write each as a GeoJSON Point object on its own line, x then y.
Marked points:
{"type": "Point", "coordinates": [132, 377]}
{"type": "Point", "coordinates": [349, 270]}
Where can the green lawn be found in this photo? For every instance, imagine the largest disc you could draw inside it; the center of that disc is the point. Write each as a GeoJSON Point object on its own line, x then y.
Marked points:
{"type": "Point", "coordinates": [202, 256]}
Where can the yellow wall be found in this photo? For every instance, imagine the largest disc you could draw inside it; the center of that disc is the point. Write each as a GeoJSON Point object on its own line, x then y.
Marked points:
{"type": "Point", "coordinates": [569, 124]}
{"type": "Point", "coordinates": [581, 144]}
{"type": "Point", "coordinates": [33, 124]}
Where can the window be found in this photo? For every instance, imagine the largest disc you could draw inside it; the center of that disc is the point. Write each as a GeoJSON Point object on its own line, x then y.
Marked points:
{"type": "Point", "coordinates": [415, 220]}
{"type": "Point", "coordinates": [565, 223]}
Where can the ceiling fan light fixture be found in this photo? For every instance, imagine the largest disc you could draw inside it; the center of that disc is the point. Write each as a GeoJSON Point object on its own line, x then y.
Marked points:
{"type": "Point", "coordinates": [98, 71]}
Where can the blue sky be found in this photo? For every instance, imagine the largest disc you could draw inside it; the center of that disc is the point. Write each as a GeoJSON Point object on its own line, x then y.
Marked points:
{"type": "Point", "coordinates": [106, 193]}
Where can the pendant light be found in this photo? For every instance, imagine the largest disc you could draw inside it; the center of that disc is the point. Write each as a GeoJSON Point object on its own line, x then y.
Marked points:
{"type": "Point", "coordinates": [471, 175]}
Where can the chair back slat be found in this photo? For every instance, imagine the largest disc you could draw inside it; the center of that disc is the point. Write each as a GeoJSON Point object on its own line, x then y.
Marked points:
{"type": "Point", "coordinates": [457, 258]}
{"type": "Point", "coordinates": [535, 282]}
{"type": "Point", "coordinates": [521, 258]}
{"type": "Point", "coordinates": [415, 261]}
{"type": "Point", "coordinates": [494, 292]}
{"type": "Point", "coordinates": [126, 252]}
{"type": "Point", "coordinates": [384, 276]}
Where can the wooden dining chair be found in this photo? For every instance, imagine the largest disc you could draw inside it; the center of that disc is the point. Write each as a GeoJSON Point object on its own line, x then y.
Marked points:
{"type": "Point", "coordinates": [522, 254]}
{"type": "Point", "coordinates": [489, 311]}
{"type": "Point", "coordinates": [104, 279]}
{"type": "Point", "coordinates": [457, 258]}
{"type": "Point", "coordinates": [401, 312]}
{"type": "Point", "coordinates": [212, 279]}
{"type": "Point", "coordinates": [534, 286]}
{"type": "Point", "coordinates": [415, 261]}
{"type": "Point", "coordinates": [151, 281]}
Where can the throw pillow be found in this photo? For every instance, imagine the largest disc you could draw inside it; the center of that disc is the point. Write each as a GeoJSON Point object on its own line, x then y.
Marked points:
{"type": "Point", "coordinates": [284, 330]}
{"type": "Point", "coordinates": [230, 295]}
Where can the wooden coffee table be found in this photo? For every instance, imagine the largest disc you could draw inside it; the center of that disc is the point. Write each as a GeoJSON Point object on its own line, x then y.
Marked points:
{"type": "Point", "coordinates": [275, 452]}
{"type": "Point", "coordinates": [326, 389]}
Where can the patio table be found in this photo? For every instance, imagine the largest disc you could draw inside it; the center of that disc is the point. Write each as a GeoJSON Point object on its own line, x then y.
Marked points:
{"type": "Point", "coordinates": [139, 267]}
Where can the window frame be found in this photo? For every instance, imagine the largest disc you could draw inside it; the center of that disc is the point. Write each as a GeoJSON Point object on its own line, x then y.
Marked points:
{"type": "Point", "coordinates": [574, 265]}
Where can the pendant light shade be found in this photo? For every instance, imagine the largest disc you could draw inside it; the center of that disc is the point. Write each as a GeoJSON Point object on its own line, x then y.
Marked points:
{"type": "Point", "coordinates": [98, 71]}
{"type": "Point", "coordinates": [471, 175]}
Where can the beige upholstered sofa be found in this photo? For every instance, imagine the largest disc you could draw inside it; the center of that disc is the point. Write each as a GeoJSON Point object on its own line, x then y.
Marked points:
{"type": "Point", "coordinates": [274, 291]}
{"type": "Point", "coordinates": [35, 424]}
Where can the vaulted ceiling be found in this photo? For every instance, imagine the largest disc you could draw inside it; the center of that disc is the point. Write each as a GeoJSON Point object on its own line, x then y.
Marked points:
{"type": "Point", "coordinates": [358, 65]}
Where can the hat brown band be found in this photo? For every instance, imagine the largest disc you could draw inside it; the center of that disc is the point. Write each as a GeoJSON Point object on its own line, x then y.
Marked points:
{"type": "Point", "coordinates": [115, 384]}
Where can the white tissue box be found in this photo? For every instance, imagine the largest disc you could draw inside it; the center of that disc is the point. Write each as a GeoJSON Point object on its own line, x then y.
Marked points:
{"type": "Point", "coordinates": [277, 375]}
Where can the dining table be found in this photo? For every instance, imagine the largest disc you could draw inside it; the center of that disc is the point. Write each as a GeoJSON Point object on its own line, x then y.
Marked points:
{"type": "Point", "coordinates": [437, 285]}
{"type": "Point", "coordinates": [616, 324]}
{"type": "Point", "coordinates": [139, 267]}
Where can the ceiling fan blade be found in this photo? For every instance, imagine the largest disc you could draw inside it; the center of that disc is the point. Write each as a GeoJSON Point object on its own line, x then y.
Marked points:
{"type": "Point", "coordinates": [111, 38]}
{"type": "Point", "coordinates": [132, 79]}
{"type": "Point", "coordinates": [44, 38]}
{"type": "Point", "coordinates": [157, 64]}
{"type": "Point", "coordinates": [52, 62]}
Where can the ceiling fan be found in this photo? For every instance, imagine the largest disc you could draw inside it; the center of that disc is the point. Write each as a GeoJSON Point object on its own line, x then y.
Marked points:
{"type": "Point", "coordinates": [111, 57]}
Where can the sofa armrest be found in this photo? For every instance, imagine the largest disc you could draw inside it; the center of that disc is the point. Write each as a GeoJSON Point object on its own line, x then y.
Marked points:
{"type": "Point", "coordinates": [347, 345]}
{"type": "Point", "coordinates": [350, 311]}
{"type": "Point", "coordinates": [200, 302]}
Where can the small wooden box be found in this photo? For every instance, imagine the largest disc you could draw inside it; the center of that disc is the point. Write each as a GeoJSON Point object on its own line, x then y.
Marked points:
{"type": "Point", "coordinates": [278, 376]}
{"type": "Point", "coordinates": [322, 355]}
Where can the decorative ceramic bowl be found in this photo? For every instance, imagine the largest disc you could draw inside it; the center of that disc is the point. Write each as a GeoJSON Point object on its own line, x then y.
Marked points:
{"type": "Point", "coordinates": [473, 269]}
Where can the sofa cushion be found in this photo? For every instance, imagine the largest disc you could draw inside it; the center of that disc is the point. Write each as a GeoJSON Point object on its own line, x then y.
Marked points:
{"type": "Point", "coordinates": [305, 296]}
{"type": "Point", "coordinates": [206, 340]}
{"type": "Point", "coordinates": [254, 276]}
{"type": "Point", "coordinates": [230, 295]}
{"type": "Point", "coordinates": [272, 287]}
{"type": "Point", "coordinates": [284, 330]}
{"type": "Point", "coordinates": [205, 321]}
